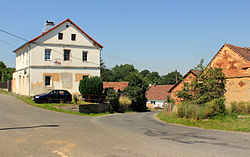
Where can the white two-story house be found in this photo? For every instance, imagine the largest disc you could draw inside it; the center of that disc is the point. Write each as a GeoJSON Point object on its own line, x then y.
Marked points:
{"type": "Point", "coordinates": [57, 59]}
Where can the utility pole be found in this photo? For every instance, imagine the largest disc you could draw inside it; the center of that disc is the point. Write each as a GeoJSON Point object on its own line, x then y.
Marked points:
{"type": "Point", "coordinates": [176, 76]}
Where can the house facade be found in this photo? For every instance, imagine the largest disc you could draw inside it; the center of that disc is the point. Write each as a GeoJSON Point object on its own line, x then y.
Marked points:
{"type": "Point", "coordinates": [187, 78]}
{"type": "Point", "coordinates": [157, 95]}
{"type": "Point", "coordinates": [235, 62]}
{"type": "Point", "coordinates": [57, 59]}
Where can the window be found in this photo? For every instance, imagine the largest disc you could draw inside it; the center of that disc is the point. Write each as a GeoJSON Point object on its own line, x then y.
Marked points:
{"type": "Point", "coordinates": [73, 37]}
{"type": "Point", "coordinates": [85, 76]}
{"type": "Point", "coordinates": [66, 55]}
{"type": "Point", "coordinates": [47, 54]}
{"type": "Point", "coordinates": [47, 80]}
{"type": "Point", "coordinates": [84, 56]}
{"type": "Point", "coordinates": [60, 36]}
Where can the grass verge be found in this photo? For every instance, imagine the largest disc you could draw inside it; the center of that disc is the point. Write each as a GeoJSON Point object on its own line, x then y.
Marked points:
{"type": "Point", "coordinates": [49, 106]}
{"type": "Point", "coordinates": [228, 122]}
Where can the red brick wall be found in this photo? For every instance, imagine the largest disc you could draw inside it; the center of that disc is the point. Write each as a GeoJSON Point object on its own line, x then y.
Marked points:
{"type": "Point", "coordinates": [238, 79]}
{"type": "Point", "coordinates": [188, 78]}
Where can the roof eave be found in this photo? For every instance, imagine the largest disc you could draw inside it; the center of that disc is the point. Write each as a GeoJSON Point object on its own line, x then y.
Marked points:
{"type": "Point", "coordinates": [25, 44]}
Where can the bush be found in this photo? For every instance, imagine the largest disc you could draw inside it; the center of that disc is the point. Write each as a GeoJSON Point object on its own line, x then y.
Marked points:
{"type": "Point", "coordinates": [240, 107]}
{"type": "Point", "coordinates": [91, 88]}
{"type": "Point", "coordinates": [113, 100]}
{"type": "Point", "coordinates": [215, 107]}
{"type": "Point", "coordinates": [92, 85]}
{"type": "Point", "coordinates": [125, 103]}
{"type": "Point", "coordinates": [75, 99]}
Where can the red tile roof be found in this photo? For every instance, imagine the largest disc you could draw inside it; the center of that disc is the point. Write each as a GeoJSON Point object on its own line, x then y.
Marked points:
{"type": "Point", "coordinates": [243, 51]}
{"type": "Point", "coordinates": [195, 72]}
{"type": "Point", "coordinates": [115, 85]}
{"type": "Point", "coordinates": [158, 92]}
{"type": "Point", "coordinates": [58, 26]}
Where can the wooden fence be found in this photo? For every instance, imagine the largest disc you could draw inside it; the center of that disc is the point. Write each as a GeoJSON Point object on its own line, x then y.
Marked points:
{"type": "Point", "coordinates": [6, 85]}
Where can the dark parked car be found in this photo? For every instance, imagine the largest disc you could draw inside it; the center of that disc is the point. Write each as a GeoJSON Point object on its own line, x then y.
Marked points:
{"type": "Point", "coordinates": [54, 96]}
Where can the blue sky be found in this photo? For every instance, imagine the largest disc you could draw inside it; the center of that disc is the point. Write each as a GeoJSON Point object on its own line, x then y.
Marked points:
{"type": "Point", "coordinates": [158, 35]}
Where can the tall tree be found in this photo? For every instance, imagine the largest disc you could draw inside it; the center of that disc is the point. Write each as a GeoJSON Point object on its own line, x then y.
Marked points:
{"type": "Point", "coordinates": [2, 71]}
{"type": "Point", "coordinates": [121, 72]}
{"type": "Point", "coordinates": [136, 91]}
{"type": "Point", "coordinates": [144, 73]}
{"type": "Point", "coordinates": [153, 77]}
{"type": "Point", "coordinates": [170, 78]}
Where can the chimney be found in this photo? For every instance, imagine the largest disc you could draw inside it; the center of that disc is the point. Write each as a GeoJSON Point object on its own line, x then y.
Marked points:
{"type": "Point", "coordinates": [48, 25]}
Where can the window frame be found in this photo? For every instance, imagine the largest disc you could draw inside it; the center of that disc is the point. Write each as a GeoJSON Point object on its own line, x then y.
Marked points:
{"type": "Point", "coordinates": [85, 58]}
{"type": "Point", "coordinates": [69, 55]}
{"type": "Point", "coordinates": [85, 76]}
{"type": "Point", "coordinates": [60, 36]}
{"type": "Point", "coordinates": [73, 37]}
{"type": "Point", "coordinates": [50, 80]}
{"type": "Point", "coordinates": [47, 50]}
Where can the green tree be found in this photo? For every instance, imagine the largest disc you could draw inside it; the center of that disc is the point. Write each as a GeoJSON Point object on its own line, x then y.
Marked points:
{"type": "Point", "coordinates": [144, 73]}
{"type": "Point", "coordinates": [120, 72]}
{"type": "Point", "coordinates": [136, 91]}
{"type": "Point", "coordinates": [170, 78]}
{"type": "Point", "coordinates": [208, 85]}
{"type": "Point", "coordinates": [2, 71]}
{"type": "Point", "coordinates": [153, 77]}
{"type": "Point", "coordinates": [9, 72]}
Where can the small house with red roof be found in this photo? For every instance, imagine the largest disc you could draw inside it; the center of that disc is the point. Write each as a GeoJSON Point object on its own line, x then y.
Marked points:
{"type": "Point", "coordinates": [57, 59]}
{"type": "Point", "coordinates": [157, 95]}
{"type": "Point", "coordinates": [187, 78]}
{"type": "Point", "coordinates": [235, 62]}
{"type": "Point", "coordinates": [116, 85]}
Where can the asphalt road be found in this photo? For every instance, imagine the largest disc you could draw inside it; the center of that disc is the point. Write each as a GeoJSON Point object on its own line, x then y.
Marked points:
{"type": "Point", "coordinates": [30, 131]}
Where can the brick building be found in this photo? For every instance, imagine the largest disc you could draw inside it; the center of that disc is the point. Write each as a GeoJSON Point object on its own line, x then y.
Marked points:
{"type": "Point", "coordinates": [235, 62]}
{"type": "Point", "coordinates": [187, 78]}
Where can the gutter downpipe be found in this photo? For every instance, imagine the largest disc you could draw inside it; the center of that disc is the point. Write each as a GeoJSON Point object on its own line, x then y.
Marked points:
{"type": "Point", "coordinates": [29, 66]}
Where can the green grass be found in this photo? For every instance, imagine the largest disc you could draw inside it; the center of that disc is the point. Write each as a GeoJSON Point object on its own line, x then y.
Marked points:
{"type": "Point", "coordinates": [50, 106]}
{"type": "Point", "coordinates": [228, 122]}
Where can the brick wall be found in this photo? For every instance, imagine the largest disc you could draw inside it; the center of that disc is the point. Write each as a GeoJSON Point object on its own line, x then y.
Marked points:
{"type": "Point", "coordinates": [187, 79]}
{"type": "Point", "coordinates": [238, 79]}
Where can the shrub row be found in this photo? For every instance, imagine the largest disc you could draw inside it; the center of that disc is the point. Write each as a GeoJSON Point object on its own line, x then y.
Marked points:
{"type": "Point", "coordinates": [210, 109]}
{"type": "Point", "coordinates": [240, 107]}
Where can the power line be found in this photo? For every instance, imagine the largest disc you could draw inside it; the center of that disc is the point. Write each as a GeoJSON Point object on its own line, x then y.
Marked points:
{"type": "Point", "coordinates": [13, 35]}
{"type": "Point", "coordinates": [7, 43]}
{"type": "Point", "coordinates": [40, 45]}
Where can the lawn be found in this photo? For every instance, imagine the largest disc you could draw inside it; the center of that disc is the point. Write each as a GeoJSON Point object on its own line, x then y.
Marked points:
{"type": "Point", "coordinates": [228, 122]}
{"type": "Point", "coordinates": [50, 106]}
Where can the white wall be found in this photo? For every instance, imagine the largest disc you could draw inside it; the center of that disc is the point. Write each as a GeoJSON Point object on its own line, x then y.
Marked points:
{"type": "Point", "coordinates": [38, 84]}
{"type": "Point", "coordinates": [52, 36]}
{"type": "Point", "coordinates": [57, 51]}
{"type": "Point", "coordinates": [39, 66]}
{"type": "Point", "coordinates": [157, 104]}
